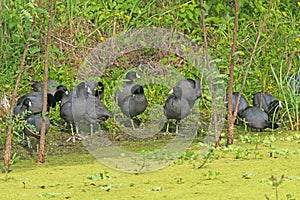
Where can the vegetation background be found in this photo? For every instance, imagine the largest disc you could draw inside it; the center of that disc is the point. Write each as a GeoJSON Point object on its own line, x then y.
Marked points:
{"type": "Point", "coordinates": [78, 26]}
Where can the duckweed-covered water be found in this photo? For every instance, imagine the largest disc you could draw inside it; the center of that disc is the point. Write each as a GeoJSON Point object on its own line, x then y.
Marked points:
{"type": "Point", "coordinates": [228, 174]}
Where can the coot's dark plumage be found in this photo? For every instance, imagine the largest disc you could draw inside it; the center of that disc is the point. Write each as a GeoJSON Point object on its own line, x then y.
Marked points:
{"type": "Point", "coordinates": [19, 109]}
{"type": "Point", "coordinates": [37, 101]}
{"type": "Point", "coordinates": [191, 89]}
{"type": "Point", "coordinates": [243, 104]}
{"type": "Point", "coordinates": [67, 115]}
{"type": "Point", "coordinates": [134, 104]}
{"type": "Point", "coordinates": [73, 106]}
{"type": "Point", "coordinates": [36, 122]}
{"type": "Point", "coordinates": [262, 100]}
{"type": "Point", "coordinates": [266, 102]}
{"type": "Point", "coordinates": [126, 90]}
{"type": "Point", "coordinates": [256, 118]}
{"type": "Point", "coordinates": [82, 89]}
{"type": "Point", "coordinates": [97, 89]}
{"type": "Point", "coordinates": [34, 126]}
{"type": "Point", "coordinates": [52, 85]}
{"type": "Point", "coordinates": [61, 88]}
{"type": "Point", "coordinates": [96, 112]}
{"type": "Point", "coordinates": [61, 96]}
{"type": "Point", "coordinates": [176, 106]}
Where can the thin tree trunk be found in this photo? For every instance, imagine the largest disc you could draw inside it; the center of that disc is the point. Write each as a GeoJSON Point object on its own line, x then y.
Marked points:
{"type": "Point", "coordinates": [255, 47]}
{"type": "Point", "coordinates": [230, 137]}
{"type": "Point", "coordinates": [232, 116]}
{"type": "Point", "coordinates": [41, 156]}
{"type": "Point", "coordinates": [7, 153]}
{"type": "Point", "coordinates": [207, 63]}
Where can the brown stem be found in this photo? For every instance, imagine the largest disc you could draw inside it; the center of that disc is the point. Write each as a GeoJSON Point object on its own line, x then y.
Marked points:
{"type": "Point", "coordinates": [253, 52]}
{"type": "Point", "coordinates": [69, 44]}
{"type": "Point", "coordinates": [232, 116]}
{"type": "Point", "coordinates": [7, 153]}
{"type": "Point", "coordinates": [41, 156]}
{"type": "Point", "coordinates": [31, 131]}
{"type": "Point", "coordinates": [230, 137]}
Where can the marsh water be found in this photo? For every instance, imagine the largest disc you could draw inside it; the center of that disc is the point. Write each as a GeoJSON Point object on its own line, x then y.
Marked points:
{"type": "Point", "coordinates": [241, 171]}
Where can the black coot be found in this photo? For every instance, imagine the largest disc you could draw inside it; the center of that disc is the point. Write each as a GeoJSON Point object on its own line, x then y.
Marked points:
{"type": "Point", "coordinates": [19, 109]}
{"type": "Point", "coordinates": [36, 122]}
{"type": "Point", "coordinates": [39, 86]}
{"type": "Point", "coordinates": [135, 103]}
{"type": "Point", "coordinates": [191, 90]}
{"type": "Point", "coordinates": [96, 112]}
{"type": "Point", "coordinates": [176, 106]}
{"type": "Point", "coordinates": [61, 96]}
{"type": "Point", "coordinates": [97, 89]}
{"type": "Point", "coordinates": [34, 127]}
{"type": "Point", "coordinates": [267, 103]}
{"type": "Point", "coordinates": [263, 100]}
{"type": "Point", "coordinates": [243, 104]}
{"type": "Point", "coordinates": [73, 107]}
{"type": "Point", "coordinates": [126, 90]}
{"type": "Point", "coordinates": [37, 101]}
{"type": "Point", "coordinates": [256, 118]}
{"type": "Point", "coordinates": [61, 88]}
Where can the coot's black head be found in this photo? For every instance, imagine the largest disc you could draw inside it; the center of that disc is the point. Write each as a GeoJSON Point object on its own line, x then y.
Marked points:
{"type": "Point", "coordinates": [83, 90]}
{"type": "Point", "coordinates": [62, 88]}
{"type": "Point", "coordinates": [177, 91]}
{"type": "Point", "coordinates": [36, 86]}
{"type": "Point", "coordinates": [192, 82]}
{"type": "Point", "coordinates": [137, 89]}
{"type": "Point", "coordinates": [27, 102]}
{"type": "Point", "coordinates": [99, 90]}
{"type": "Point", "coordinates": [58, 96]}
{"type": "Point", "coordinates": [51, 100]}
{"type": "Point", "coordinates": [131, 75]}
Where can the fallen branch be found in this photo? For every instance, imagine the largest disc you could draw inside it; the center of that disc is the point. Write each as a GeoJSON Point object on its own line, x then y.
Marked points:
{"type": "Point", "coordinates": [69, 44]}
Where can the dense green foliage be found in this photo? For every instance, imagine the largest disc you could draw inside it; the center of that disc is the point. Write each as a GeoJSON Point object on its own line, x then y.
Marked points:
{"type": "Point", "coordinates": [81, 25]}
